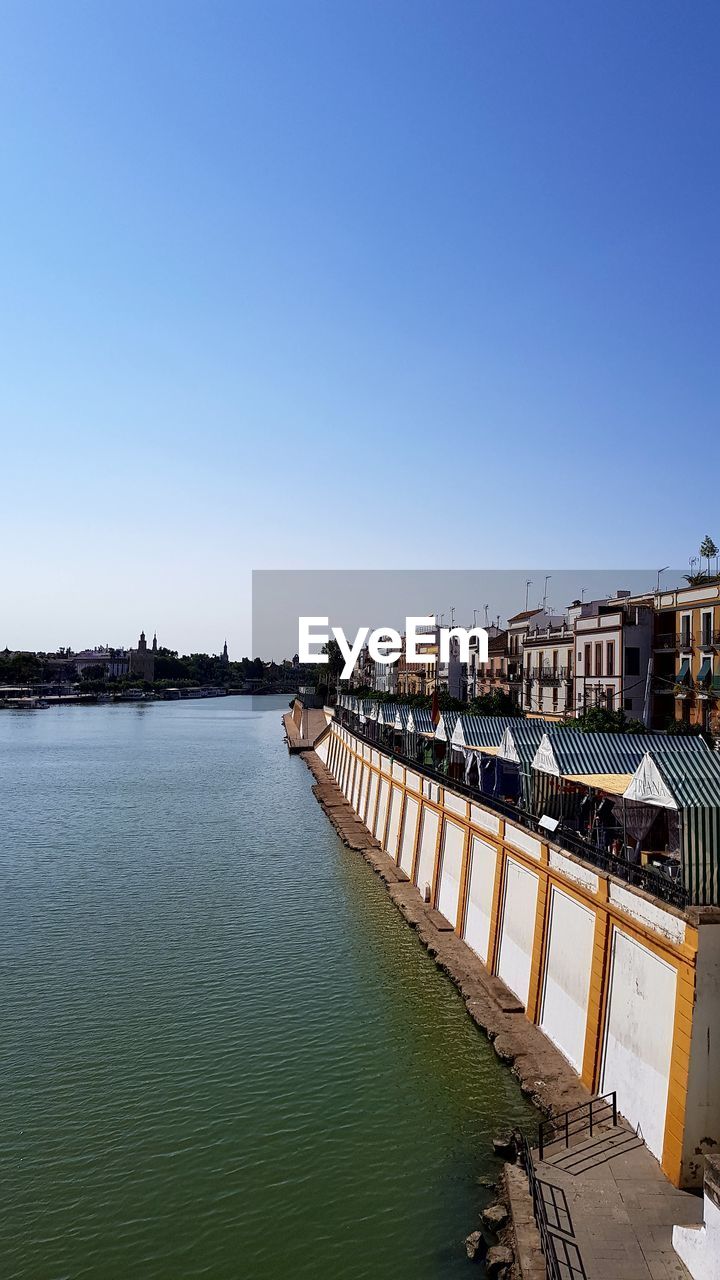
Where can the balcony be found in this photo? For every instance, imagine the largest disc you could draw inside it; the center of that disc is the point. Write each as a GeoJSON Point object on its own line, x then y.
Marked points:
{"type": "Point", "coordinates": [554, 675]}
{"type": "Point", "coordinates": [674, 640]}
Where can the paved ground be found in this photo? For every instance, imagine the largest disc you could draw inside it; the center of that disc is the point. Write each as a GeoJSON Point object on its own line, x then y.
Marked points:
{"type": "Point", "coordinates": [614, 1198]}
{"type": "Point", "coordinates": [313, 724]}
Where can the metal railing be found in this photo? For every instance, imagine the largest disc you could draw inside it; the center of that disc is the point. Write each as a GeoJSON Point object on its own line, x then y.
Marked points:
{"type": "Point", "coordinates": [647, 878]}
{"type": "Point", "coordinates": [584, 1118]}
{"type": "Point", "coordinates": [563, 1260]}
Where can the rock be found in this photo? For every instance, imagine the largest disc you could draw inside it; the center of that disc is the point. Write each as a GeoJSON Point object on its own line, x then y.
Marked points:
{"type": "Point", "coordinates": [475, 1246]}
{"type": "Point", "coordinates": [505, 1145]}
{"type": "Point", "coordinates": [497, 1259]}
{"type": "Point", "coordinates": [495, 1217]}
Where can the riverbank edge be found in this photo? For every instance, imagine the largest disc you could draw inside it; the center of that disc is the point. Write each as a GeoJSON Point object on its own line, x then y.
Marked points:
{"type": "Point", "coordinates": [542, 1072]}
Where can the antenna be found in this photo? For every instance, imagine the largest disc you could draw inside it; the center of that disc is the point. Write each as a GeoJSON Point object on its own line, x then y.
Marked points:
{"type": "Point", "coordinates": [548, 576]}
{"type": "Point", "coordinates": [528, 585]}
{"type": "Point", "coordinates": [485, 607]}
{"type": "Point", "coordinates": [663, 570]}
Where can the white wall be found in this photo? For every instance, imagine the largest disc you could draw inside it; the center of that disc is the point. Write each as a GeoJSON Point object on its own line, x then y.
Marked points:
{"type": "Point", "coordinates": [382, 809]}
{"type": "Point", "coordinates": [371, 801]}
{"type": "Point", "coordinates": [638, 1037]}
{"type": "Point", "coordinates": [428, 840]}
{"type": "Point", "coordinates": [483, 863]}
{"type": "Point", "coordinates": [451, 854]}
{"type": "Point", "coordinates": [322, 749]}
{"type": "Point", "coordinates": [355, 802]}
{"type": "Point", "coordinates": [699, 1247]}
{"type": "Point", "coordinates": [517, 928]}
{"type": "Point", "coordinates": [396, 803]}
{"type": "Point", "coordinates": [407, 838]}
{"type": "Point", "coordinates": [362, 802]}
{"type": "Point", "coordinates": [702, 1113]}
{"type": "Point", "coordinates": [568, 964]}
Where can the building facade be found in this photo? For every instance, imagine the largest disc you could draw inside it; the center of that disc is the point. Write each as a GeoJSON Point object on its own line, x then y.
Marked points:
{"type": "Point", "coordinates": [686, 673]}
{"type": "Point", "coordinates": [613, 651]}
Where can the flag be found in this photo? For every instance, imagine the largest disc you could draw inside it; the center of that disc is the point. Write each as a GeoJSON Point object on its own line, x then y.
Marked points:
{"type": "Point", "coordinates": [435, 709]}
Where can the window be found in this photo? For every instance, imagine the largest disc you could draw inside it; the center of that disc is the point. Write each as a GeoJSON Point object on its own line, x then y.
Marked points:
{"type": "Point", "coordinates": [609, 697]}
{"type": "Point", "coordinates": [588, 660]}
{"type": "Point", "coordinates": [555, 697]}
{"type": "Point", "coordinates": [706, 630]}
{"type": "Point", "coordinates": [598, 659]}
{"type": "Point", "coordinates": [627, 704]}
{"type": "Point", "coordinates": [632, 661]}
{"type": "Point", "coordinates": [685, 631]}
{"type": "Point", "coordinates": [610, 658]}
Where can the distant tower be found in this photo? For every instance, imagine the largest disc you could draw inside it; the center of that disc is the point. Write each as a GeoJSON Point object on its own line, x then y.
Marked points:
{"type": "Point", "coordinates": [225, 653]}
{"type": "Point", "coordinates": [154, 647]}
{"type": "Point", "coordinates": [142, 662]}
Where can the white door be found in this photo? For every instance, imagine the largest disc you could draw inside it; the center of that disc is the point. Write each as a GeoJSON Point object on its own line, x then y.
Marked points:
{"type": "Point", "coordinates": [382, 809]}
{"type": "Point", "coordinates": [428, 841]}
{"type": "Point", "coordinates": [407, 838]}
{"type": "Point", "coordinates": [451, 855]}
{"type": "Point", "coordinates": [483, 862]}
{"type": "Point", "coordinates": [518, 928]}
{"type": "Point", "coordinates": [394, 823]}
{"type": "Point", "coordinates": [639, 1036]}
{"type": "Point", "coordinates": [566, 986]}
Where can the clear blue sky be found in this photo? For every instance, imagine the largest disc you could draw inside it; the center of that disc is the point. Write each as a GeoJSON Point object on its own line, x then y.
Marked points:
{"type": "Point", "coordinates": [449, 269]}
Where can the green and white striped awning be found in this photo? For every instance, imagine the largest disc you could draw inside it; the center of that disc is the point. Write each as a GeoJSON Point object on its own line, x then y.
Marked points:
{"type": "Point", "coordinates": [477, 732]}
{"type": "Point", "coordinates": [570, 753]}
{"type": "Point", "coordinates": [520, 741]}
{"type": "Point", "coordinates": [420, 721]}
{"type": "Point", "coordinates": [446, 725]}
{"type": "Point", "coordinates": [690, 783]}
{"type": "Point", "coordinates": [386, 713]}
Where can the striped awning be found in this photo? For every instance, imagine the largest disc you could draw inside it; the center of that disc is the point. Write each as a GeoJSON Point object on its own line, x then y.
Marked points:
{"type": "Point", "coordinates": [446, 725]}
{"type": "Point", "coordinates": [420, 721]}
{"type": "Point", "coordinates": [402, 711]}
{"type": "Point", "coordinates": [690, 783]}
{"type": "Point", "coordinates": [521, 740]}
{"type": "Point", "coordinates": [386, 713]}
{"type": "Point", "coordinates": [480, 732]}
{"type": "Point", "coordinates": [567, 752]}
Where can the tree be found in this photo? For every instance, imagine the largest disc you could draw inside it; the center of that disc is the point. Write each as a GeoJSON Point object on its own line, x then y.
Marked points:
{"type": "Point", "coordinates": [96, 673]}
{"type": "Point", "coordinates": [603, 720]}
{"type": "Point", "coordinates": [708, 550]}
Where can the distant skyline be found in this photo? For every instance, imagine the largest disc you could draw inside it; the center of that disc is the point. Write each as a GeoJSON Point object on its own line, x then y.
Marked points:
{"type": "Point", "coordinates": [362, 285]}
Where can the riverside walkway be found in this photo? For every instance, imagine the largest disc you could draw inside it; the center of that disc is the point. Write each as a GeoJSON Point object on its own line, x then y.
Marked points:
{"type": "Point", "coordinates": [609, 1201]}
{"type": "Point", "coordinates": [616, 1205]}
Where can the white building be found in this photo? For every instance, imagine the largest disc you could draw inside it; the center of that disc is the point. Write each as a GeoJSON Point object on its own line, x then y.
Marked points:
{"type": "Point", "coordinates": [613, 647]}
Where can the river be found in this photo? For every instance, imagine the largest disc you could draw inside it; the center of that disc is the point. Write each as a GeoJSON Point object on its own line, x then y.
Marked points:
{"type": "Point", "coordinates": [224, 1053]}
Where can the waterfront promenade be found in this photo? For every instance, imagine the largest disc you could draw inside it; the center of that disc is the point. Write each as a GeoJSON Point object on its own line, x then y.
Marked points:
{"type": "Point", "coordinates": [621, 1208]}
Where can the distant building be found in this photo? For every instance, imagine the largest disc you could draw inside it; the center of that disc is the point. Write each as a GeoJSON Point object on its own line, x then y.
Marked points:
{"type": "Point", "coordinates": [547, 688]}
{"type": "Point", "coordinates": [613, 649]}
{"type": "Point", "coordinates": [225, 657]}
{"type": "Point", "coordinates": [142, 659]}
{"type": "Point", "coordinates": [115, 662]}
{"type": "Point", "coordinates": [686, 673]}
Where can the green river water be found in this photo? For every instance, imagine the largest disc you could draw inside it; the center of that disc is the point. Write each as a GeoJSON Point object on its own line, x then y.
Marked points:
{"type": "Point", "coordinates": [224, 1053]}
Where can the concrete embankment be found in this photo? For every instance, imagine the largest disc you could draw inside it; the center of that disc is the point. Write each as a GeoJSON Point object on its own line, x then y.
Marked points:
{"type": "Point", "coordinates": [544, 1074]}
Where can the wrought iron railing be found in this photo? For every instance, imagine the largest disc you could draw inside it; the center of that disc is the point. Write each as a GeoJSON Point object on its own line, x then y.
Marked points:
{"type": "Point", "coordinates": [584, 1118]}
{"type": "Point", "coordinates": [563, 1260]}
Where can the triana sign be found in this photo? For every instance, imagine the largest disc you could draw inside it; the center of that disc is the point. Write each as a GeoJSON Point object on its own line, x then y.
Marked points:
{"type": "Point", "coordinates": [385, 644]}
{"type": "Point", "coordinates": [647, 785]}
